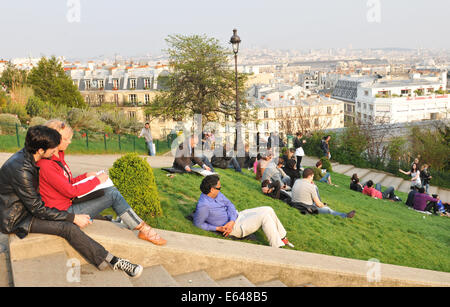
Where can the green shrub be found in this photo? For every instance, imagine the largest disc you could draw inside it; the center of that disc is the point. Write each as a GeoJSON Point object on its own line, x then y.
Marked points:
{"type": "Point", "coordinates": [8, 123]}
{"type": "Point", "coordinates": [134, 178]}
{"type": "Point", "coordinates": [37, 121]}
{"type": "Point", "coordinates": [326, 164]}
{"type": "Point", "coordinates": [35, 106]}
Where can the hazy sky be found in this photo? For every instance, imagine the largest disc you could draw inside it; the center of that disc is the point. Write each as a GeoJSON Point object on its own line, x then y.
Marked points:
{"type": "Point", "coordinates": [137, 27]}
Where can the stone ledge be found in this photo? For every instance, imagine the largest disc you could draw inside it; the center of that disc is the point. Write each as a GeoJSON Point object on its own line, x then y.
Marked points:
{"type": "Point", "coordinates": [222, 258]}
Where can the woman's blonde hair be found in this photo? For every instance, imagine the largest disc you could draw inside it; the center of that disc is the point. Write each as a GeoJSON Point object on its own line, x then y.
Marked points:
{"type": "Point", "coordinates": [58, 125]}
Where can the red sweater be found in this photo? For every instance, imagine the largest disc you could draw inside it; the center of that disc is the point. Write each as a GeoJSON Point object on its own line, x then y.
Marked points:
{"type": "Point", "coordinates": [372, 192]}
{"type": "Point", "coordinates": [54, 186]}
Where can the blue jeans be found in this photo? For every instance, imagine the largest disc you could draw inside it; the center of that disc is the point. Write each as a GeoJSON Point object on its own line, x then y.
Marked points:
{"type": "Point", "coordinates": [112, 198]}
{"type": "Point", "coordinates": [388, 193]}
{"type": "Point", "coordinates": [325, 178]}
{"type": "Point", "coordinates": [150, 148]}
{"type": "Point", "coordinates": [328, 210]}
{"type": "Point", "coordinates": [235, 164]}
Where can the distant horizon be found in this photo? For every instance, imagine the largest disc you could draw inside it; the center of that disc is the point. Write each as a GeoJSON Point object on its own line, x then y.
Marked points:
{"type": "Point", "coordinates": [84, 29]}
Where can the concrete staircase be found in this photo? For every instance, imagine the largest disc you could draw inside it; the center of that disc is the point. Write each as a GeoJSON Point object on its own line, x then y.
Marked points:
{"type": "Point", "coordinates": [193, 261]}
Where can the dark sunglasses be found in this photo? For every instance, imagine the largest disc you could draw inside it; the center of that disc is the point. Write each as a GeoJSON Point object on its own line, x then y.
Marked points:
{"type": "Point", "coordinates": [218, 189]}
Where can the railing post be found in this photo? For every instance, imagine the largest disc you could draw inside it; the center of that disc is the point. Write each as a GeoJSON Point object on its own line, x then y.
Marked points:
{"type": "Point", "coordinates": [134, 143]}
{"type": "Point", "coordinates": [17, 135]}
{"type": "Point", "coordinates": [104, 139]}
{"type": "Point", "coordinates": [120, 146]}
{"type": "Point", "coordinates": [87, 139]}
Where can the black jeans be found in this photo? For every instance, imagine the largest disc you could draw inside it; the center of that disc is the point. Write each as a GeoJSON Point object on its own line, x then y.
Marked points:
{"type": "Point", "coordinates": [299, 162]}
{"type": "Point", "coordinates": [92, 251]}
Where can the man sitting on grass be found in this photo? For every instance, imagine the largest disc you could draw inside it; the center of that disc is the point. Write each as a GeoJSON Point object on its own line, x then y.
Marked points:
{"type": "Point", "coordinates": [215, 212]}
{"type": "Point", "coordinates": [421, 200]}
{"type": "Point", "coordinates": [305, 192]}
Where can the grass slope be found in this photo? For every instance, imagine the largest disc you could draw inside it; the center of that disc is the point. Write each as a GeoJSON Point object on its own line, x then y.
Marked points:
{"type": "Point", "coordinates": [387, 231]}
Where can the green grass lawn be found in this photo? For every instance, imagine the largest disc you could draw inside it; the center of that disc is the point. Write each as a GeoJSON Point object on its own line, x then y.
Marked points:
{"type": "Point", "coordinates": [385, 230]}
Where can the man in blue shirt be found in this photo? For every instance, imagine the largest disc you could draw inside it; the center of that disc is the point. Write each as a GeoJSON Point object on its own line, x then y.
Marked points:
{"type": "Point", "coordinates": [215, 212]}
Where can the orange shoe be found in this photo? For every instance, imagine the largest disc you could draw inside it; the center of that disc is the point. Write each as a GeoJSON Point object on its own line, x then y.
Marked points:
{"type": "Point", "coordinates": [147, 233]}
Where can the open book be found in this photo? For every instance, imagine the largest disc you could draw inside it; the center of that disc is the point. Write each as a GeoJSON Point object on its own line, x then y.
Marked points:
{"type": "Point", "coordinates": [108, 183]}
{"type": "Point", "coordinates": [202, 171]}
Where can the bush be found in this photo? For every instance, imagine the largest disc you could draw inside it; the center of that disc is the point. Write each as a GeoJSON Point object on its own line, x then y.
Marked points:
{"type": "Point", "coordinates": [134, 178]}
{"type": "Point", "coordinates": [37, 121]}
{"type": "Point", "coordinates": [35, 106]}
{"type": "Point", "coordinates": [8, 123]}
{"type": "Point", "coordinates": [326, 164]}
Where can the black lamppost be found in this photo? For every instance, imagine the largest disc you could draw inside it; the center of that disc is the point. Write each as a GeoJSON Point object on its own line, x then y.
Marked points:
{"type": "Point", "coordinates": [235, 41]}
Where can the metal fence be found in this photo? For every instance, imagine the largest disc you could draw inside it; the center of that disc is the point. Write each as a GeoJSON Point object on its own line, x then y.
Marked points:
{"type": "Point", "coordinates": [12, 137]}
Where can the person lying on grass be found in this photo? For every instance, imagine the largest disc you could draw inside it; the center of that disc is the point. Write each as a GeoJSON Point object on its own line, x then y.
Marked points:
{"type": "Point", "coordinates": [214, 212]}
{"type": "Point", "coordinates": [375, 192]}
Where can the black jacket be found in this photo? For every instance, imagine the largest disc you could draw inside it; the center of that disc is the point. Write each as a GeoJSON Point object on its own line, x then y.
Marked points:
{"type": "Point", "coordinates": [221, 162]}
{"type": "Point", "coordinates": [20, 200]}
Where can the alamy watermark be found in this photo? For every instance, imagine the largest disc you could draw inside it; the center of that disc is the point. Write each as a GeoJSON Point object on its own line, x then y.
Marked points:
{"type": "Point", "coordinates": [74, 272]}
{"type": "Point", "coordinates": [373, 273]}
{"type": "Point", "coordinates": [374, 12]}
{"type": "Point", "coordinates": [74, 11]}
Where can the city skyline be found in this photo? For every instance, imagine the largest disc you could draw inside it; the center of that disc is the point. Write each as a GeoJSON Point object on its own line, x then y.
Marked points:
{"type": "Point", "coordinates": [78, 28]}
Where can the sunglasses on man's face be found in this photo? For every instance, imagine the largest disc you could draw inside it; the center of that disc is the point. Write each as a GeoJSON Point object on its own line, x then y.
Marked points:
{"type": "Point", "coordinates": [217, 188]}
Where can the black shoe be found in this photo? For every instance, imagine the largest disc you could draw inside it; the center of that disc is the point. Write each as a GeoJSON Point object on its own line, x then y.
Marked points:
{"type": "Point", "coordinates": [132, 270]}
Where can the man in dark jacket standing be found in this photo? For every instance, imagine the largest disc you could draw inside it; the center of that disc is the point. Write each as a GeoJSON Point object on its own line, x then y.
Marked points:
{"type": "Point", "coordinates": [22, 210]}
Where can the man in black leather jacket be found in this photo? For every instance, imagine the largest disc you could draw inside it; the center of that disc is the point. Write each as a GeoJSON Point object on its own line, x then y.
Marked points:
{"type": "Point", "coordinates": [22, 210]}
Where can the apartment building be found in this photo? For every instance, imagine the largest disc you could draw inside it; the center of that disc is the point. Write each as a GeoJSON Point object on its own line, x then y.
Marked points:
{"type": "Point", "coordinates": [402, 101]}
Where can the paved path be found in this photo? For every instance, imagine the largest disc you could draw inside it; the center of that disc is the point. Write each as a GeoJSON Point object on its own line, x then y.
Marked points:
{"type": "Point", "coordinates": [88, 163]}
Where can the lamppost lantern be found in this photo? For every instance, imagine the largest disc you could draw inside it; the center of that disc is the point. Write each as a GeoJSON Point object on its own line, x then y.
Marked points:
{"type": "Point", "coordinates": [235, 41]}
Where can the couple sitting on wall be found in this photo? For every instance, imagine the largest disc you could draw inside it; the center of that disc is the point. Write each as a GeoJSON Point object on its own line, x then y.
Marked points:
{"type": "Point", "coordinates": [38, 195]}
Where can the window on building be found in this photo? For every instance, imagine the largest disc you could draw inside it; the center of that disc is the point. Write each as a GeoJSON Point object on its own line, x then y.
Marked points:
{"type": "Point", "coordinates": [132, 114]}
{"type": "Point", "coordinates": [366, 93]}
{"type": "Point", "coordinates": [147, 83]}
{"type": "Point", "coordinates": [87, 84]}
{"type": "Point", "coordinates": [87, 99]}
{"type": "Point", "coordinates": [132, 98]}
{"type": "Point", "coordinates": [133, 83]}
{"type": "Point", "coordinates": [266, 125]}
{"type": "Point", "coordinates": [266, 114]}
{"type": "Point", "coordinates": [316, 122]}
{"type": "Point", "coordinates": [329, 110]}
{"type": "Point", "coordinates": [371, 107]}
{"type": "Point", "coordinates": [101, 83]}
{"type": "Point", "coordinates": [115, 84]}
{"type": "Point", "coordinates": [147, 98]}
{"type": "Point", "coordinates": [116, 99]}
{"type": "Point", "coordinates": [101, 99]}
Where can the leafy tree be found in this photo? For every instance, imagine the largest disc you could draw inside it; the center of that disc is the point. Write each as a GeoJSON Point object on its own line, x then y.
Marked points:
{"type": "Point", "coordinates": [201, 81]}
{"type": "Point", "coordinates": [50, 83]}
{"type": "Point", "coordinates": [13, 77]}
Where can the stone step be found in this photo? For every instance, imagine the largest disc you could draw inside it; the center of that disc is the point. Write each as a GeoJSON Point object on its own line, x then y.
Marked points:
{"type": "Point", "coordinates": [392, 181]}
{"type": "Point", "coordinates": [444, 195]}
{"type": "Point", "coordinates": [92, 277]}
{"type": "Point", "coordinates": [360, 171]}
{"type": "Point", "coordinates": [195, 279]}
{"type": "Point", "coordinates": [155, 276]}
{"type": "Point", "coordinates": [433, 190]}
{"type": "Point", "coordinates": [271, 283]}
{"type": "Point", "coordinates": [55, 270]}
{"type": "Point", "coordinates": [342, 168]}
{"type": "Point", "coordinates": [374, 176]}
{"type": "Point", "coordinates": [405, 186]}
{"type": "Point", "coordinates": [235, 281]}
{"type": "Point", "coordinates": [4, 274]}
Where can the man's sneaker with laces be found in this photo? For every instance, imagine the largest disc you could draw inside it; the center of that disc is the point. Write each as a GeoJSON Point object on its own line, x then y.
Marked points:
{"type": "Point", "coordinates": [286, 242]}
{"type": "Point", "coordinates": [132, 270]}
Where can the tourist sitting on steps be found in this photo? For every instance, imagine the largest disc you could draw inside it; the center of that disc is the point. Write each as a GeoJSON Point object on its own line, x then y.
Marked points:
{"type": "Point", "coordinates": [214, 212]}
{"type": "Point", "coordinates": [58, 190]}
{"type": "Point", "coordinates": [22, 210]}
